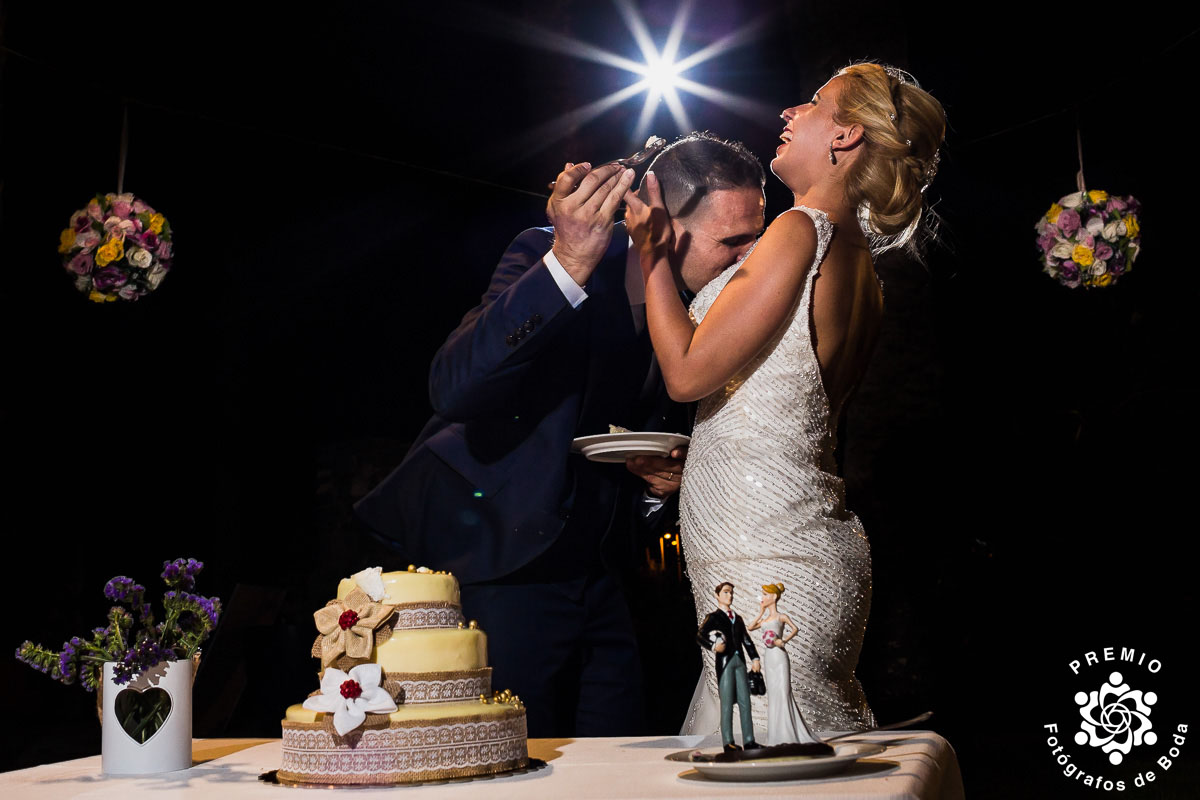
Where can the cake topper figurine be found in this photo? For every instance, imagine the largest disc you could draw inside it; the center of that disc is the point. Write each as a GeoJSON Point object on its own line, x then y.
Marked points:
{"type": "Point", "coordinates": [724, 632]}
{"type": "Point", "coordinates": [785, 724]}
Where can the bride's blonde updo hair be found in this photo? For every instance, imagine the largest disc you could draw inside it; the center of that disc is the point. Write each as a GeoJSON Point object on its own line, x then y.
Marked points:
{"type": "Point", "coordinates": [903, 127]}
{"type": "Point", "coordinates": [773, 588]}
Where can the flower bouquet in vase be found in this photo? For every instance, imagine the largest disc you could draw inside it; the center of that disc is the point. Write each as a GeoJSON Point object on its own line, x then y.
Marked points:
{"type": "Point", "coordinates": [142, 664]}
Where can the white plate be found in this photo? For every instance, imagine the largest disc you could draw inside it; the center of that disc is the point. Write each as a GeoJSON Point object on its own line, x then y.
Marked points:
{"type": "Point", "coordinates": [782, 769]}
{"type": "Point", "coordinates": [616, 447]}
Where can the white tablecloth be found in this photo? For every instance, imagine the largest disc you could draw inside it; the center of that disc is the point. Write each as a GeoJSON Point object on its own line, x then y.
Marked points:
{"type": "Point", "coordinates": [916, 764]}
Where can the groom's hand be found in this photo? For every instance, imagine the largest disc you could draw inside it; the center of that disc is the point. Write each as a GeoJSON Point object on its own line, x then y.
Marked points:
{"type": "Point", "coordinates": [662, 475]}
{"type": "Point", "coordinates": [581, 209]}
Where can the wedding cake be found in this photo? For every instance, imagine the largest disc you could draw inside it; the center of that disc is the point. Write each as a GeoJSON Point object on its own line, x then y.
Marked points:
{"type": "Point", "coordinates": [405, 690]}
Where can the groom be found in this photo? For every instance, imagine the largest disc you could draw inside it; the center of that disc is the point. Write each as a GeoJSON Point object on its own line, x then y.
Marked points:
{"type": "Point", "coordinates": [556, 349]}
{"type": "Point", "coordinates": [724, 632]}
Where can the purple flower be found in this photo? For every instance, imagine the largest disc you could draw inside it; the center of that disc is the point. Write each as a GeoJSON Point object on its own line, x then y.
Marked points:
{"type": "Point", "coordinates": [68, 659]}
{"type": "Point", "coordinates": [108, 278]}
{"type": "Point", "coordinates": [164, 249]}
{"type": "Point", "coordinates": [1115, 204]}
{"type": "Point", "coordinates": [80, 221]}
{"type": "Point", "coordinates": [1069, 274]}
{"type": "Point", "coordinates": [181, 572]}
{"type": "Point", "coordinates": [149, 240]}
{"type": "Point", "coordinates": [81, 264]}
{"type": "Point", "coordinates": [142, 656]}
{"type": "Point", "coordinates": [122, 590]}
{"type": "Point", "coordinates": [1046, 241]}
{"type": "Point", "coordinates": [1068, 220]}
{"type": "Point", "coordinates": [122, 209]}
{"type": "Point", "coordinates": [1103, 251]}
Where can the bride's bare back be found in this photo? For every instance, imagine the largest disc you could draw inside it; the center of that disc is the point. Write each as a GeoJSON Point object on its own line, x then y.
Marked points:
{"type": "Point", "coordinates": [847, 310]}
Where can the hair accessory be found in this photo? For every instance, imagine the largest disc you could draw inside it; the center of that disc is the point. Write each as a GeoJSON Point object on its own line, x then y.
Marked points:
{"type": "Point", "coordinates": [931, 169]}
{"type": "Point", "coordinates": [892, 116]}
{"type": "Point", "coordinates": [832, 160]}
{"type": "Point", "coordinates": [901, 75]}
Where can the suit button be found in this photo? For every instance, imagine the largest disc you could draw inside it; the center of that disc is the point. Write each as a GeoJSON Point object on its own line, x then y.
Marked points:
{"type": "Point", "coordinates": [528, 327]}
{"type": "Point", "coordinates": [536, 318]}
{"type": "Point", "coordinates": [510, 340]}
{"type": "Point", "coordinates": [519, 333]}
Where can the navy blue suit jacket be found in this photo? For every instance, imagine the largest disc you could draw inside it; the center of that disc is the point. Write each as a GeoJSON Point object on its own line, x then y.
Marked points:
{"type": "Point", "coordinates": [490, 482]}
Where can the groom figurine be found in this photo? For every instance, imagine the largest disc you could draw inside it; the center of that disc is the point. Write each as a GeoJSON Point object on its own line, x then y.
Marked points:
{"type": "Point", "coordinates": [724, 632]}
{"type": "Point", "coordinates": [556, 349]}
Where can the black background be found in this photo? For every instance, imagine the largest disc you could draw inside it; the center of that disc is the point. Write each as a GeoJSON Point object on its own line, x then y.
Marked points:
{"type": "Point", "coordinates": [341, 179]}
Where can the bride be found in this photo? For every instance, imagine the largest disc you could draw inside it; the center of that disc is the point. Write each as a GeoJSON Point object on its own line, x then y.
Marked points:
{"type": "Point", "coordinates": [772, 348]}
{"type": "Point", "coordinates": [785, 724]}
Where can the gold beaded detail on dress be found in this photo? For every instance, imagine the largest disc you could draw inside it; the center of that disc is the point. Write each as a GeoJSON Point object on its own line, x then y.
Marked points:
{"type": "Point", "coordinates": [761, 503]}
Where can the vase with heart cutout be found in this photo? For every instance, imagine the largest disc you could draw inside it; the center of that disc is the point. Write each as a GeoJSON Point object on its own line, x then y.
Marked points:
{"type": "Point", "coordinates": [146, 724]}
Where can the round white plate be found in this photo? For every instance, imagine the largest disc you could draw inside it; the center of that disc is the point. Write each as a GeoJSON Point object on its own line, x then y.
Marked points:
{"type": "Point", "coordinates": [616, 447]}
{"type": "Point", "coordinates": [782, 769]}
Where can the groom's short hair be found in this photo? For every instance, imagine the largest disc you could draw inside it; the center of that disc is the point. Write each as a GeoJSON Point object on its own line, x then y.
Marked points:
{"type": "Point", "coordinates": [701, 162]}
{"type": "Point", "coordinates": [721, 586]}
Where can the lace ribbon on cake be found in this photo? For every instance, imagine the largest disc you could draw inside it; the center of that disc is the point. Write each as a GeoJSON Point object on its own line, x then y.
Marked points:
{"type": "Point", "coordinates": [438, 687]}
{"type": "Point", "coordinates": [414, 750]}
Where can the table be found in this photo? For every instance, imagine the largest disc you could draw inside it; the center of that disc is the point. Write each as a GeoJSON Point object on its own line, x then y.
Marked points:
{"type": "Point", "coordinates": [916, 764]}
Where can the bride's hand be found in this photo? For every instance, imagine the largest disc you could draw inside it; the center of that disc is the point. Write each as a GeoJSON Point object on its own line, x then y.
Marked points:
{"type": "Point", "coordinates": [649, 224]}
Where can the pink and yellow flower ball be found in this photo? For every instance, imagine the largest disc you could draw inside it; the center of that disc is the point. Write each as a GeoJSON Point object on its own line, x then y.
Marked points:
{"type": "Point", "coordinates": [1089, 239]}
{"type": "Point", "coordinates": [118, 248]}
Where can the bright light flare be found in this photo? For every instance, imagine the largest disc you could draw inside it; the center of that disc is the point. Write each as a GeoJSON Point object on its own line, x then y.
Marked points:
{"type": "Point", "coordinates": [661, 75]}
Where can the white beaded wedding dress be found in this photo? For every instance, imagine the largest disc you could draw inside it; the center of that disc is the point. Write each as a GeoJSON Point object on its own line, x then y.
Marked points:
{"type": "Point", "coordinates": [761, 503]}
{"type": "Point", "coordinates": [785, 724]}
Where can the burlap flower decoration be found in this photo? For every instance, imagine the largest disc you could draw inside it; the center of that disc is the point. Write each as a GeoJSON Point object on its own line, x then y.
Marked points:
{"type": "Point", "coordinates": [348, 626]}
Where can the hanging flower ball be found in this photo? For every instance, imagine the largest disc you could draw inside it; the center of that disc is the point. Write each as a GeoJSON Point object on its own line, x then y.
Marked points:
{"type": "Point", "coordinates": [1089, 239]}
{"type": "Point", "coordinates": [117, 248]}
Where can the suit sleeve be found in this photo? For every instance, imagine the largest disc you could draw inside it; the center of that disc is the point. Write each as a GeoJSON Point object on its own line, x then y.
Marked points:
{"type": "Point", "coordinates": [746, 640]}
{"type": "Point", "coordinates": [706, 628]}
{"type": "Point", "coordinates": [496, 345]}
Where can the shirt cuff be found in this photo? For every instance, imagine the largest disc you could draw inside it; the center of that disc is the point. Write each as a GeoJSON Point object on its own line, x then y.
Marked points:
{"type": "Point", "coordinates": [566, 284]}
{"type": "Point", "coordinates": [650, 504]}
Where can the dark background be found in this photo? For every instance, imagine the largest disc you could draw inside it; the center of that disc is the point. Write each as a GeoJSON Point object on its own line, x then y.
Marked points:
{"type": "Point", "coordinates": [341, 181]}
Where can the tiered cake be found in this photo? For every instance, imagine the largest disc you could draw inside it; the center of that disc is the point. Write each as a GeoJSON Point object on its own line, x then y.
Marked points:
{"type": "Point", "coordinates": [405, 690]}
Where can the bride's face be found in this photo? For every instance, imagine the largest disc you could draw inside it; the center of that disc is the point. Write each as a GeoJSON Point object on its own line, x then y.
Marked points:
{"type": "Point", "coordinates": [808, 131]}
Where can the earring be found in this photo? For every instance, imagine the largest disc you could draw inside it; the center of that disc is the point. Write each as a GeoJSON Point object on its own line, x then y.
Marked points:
{"type": "Point", "coordinates": [832, 160]}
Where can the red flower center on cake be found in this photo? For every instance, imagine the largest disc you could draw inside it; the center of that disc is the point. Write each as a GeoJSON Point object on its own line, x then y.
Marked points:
{"type": "Point", "coordinates": [348, 619]}
{"type": "Point", "coordinates": [351, 689]}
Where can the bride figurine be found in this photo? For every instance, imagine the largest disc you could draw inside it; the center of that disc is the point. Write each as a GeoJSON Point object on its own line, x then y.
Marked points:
{"type": "Point", "coordinates": [785, 724]}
